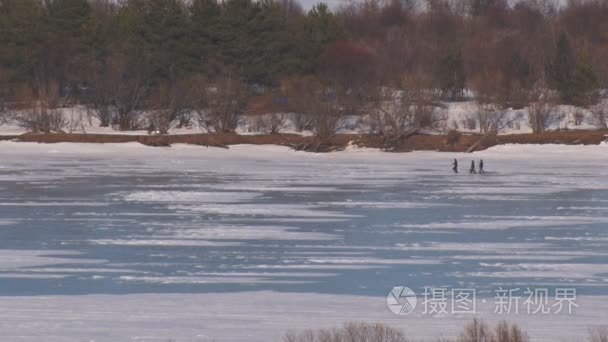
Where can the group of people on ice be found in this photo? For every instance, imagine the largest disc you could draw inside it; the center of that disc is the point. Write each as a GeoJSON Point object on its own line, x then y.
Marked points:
{"type": "Point", "coordinates": [472, 170]}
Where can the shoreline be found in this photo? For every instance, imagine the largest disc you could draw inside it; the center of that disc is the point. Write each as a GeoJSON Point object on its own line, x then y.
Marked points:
{"type": "Point", "coordinates": [464, 142]}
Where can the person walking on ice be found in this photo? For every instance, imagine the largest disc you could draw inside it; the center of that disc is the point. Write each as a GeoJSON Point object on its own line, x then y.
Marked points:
{"type": "Point", "coordinates": [455, 166]}
{"type": "Point", "coordinates": [472, 170]}
{"type": "Point", "coordinates": [481, 166]}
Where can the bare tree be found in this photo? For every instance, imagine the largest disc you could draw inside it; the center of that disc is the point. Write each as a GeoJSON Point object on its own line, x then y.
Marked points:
{"type": "Point", "coordinates": [38, 111]}
{"type": "Point", "coordinates": [493, 117]}
{"type": "Point", "coordinates": [350, 332]}
{"type": "Point", "coordinates": [541, 109]}
{"type": "Point", "coordinates": [318, 105]}
{"type": "Point", "coordinates": [599, 114]}
{"type": "Point", "coordinates": [128, 98]}
{"type": "Point", "coordinates": [100, 99]}
{"type": "Point", "coordinates": [326, 117]}
{"type": "Point", "coordinates": [4, 86]}
{"type": "Point", "coordinates": [301, 121]}
{"type": "Point", "coordinates": [476, 331]}
{"type": "Point", "coordinates": [118, 91]}
{"type": "Point", "coordinates": [598, 334]}
{"type": "Point", "coordinates": [272, 123]}
{"type": "Point", "coordinates": [392, 116]}
{"type": "Point", "coordinates": [398, 113]}
{"type": "Point", "coordinates": [169, 103]}
{"type": "Point", "coordinates": [292, 89]}
{"type": "Point", "coordinates": [74, 121]}
{"type": "Point", "coordinates": [5, 115]}
{"type": "Point", "coordinates": [505, 332]}
{"type": "Point", "coordinates": [223, 102]}
{"type": "Point", "coordinates": [322, 103]}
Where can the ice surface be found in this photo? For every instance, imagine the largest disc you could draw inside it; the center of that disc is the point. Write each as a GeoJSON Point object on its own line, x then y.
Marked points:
{"type": "Point", "coordinates": [17, 259]}
{"type": "Point", "coordinates": [190, 196]}
{"type": "Point", "coordinates": [124, 242]}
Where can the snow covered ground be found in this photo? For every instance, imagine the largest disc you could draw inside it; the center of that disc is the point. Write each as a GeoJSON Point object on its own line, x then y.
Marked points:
{"type": "Point", "coordinates": [126, 242]}
{"type": "Point", "coordinates": [457, 116]}
{"type": "Point", "coordinates": [249, 316]}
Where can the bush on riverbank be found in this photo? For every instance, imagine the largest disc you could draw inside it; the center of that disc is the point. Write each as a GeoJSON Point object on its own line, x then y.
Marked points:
{"type": "Point", "coordinates": [475, 331]}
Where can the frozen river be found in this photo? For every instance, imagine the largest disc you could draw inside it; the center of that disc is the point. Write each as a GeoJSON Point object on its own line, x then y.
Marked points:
{"type": "Point", "coordinates": [193, 231]}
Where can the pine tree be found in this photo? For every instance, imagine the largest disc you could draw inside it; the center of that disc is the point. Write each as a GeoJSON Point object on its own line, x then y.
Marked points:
{"type": "Point", "coordinates": [271, 43]}
{"type": "Point", "coordinates": [584, 81]}
{"type": "Point", "coordinates": [163, 31]}
{"type": "Point", "coordinates": [561, 70]}
{"type": "Point", "coordinates": [451, 75]}
{"type": "Point", "coordinates": [20, 24]}
{"type": "Point", "coordinates": [205, 18]}
{"type": "Point", "coordinates": [317, 30]}
{"type": "Point", "coordinates": [574, 79]}
{"type": "Point", "coordinates": [62, 59]}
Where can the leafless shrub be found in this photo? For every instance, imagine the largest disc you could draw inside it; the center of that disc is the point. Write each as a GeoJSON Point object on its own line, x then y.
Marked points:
{"type": "Point", "coordinates": [598, 334]}
{"type": "Point", "coordinates": [350, 332]}
{"type": "Point", "coordinates": [75, 121]}
{"type": "Point", "coordinates": [509, 333]}
{"type": "Point", "coordinates": [271, 123]}
{"type": "Point", "coordinates": [599, 114]}
{"type": "Point", "coordinates": [38, 118]}
{"type": "Point", "coordinates": [100, 99]}
{"type": "Point", "coordinates": [129, 104]}
{"type": "Point", "coordinates": [324, 105]}
{"type": "Point", "coordinates": [478, 331]}
{"type": "Point", "coordinates": [38, 111]}
{"type": "Point", "coordinates": [168, 104]}
{"type": "Point", "coordinates": [223, 102]}
{"type": "Point", "coordinates": [301, 121]}
{"type": "Point", "coordinates": [427, 113]}
{"type": "Point", "coordinates": [326, 117]}
{"type": "Point", "coordinates": [392, 115]}
{"type": "Point", "coordinates": [396, 113]}
{"type": "Point", "coordinates": [490, 116]}
{"type": "Point", "coordinates": [118, 91]}
{"type": "Point", "coordinates": [470, 122]}
{"type": "Point", "coordinates": [363, 332]}
{"type": "Point", "coordinates": [541, 109]}
{"type": "Point", "coordinates": [578, 118]}
{"type": "Point", "coordinates": [493, 117]}
{"type": "Point", "coordinates": [5, 114]}
{"type": "Point", "coordinates": [318, 106]}
{"type": "Point", "coordinates": [292, 89]}
{"type": "Point", "coordinates": [454, 125]}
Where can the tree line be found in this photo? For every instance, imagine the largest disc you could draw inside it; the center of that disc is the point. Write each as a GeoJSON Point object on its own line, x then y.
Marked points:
{"type": "Point", "coordinates": [393, 60]}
